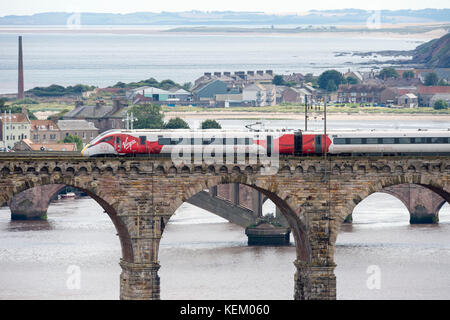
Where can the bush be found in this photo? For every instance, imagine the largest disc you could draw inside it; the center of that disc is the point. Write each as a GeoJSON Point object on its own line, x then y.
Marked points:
{"type": "Point", "coordinates": [440, 105]}
{"type": "Point", "coordinates": [25, 101]}
{"type": "Point", "coordinates": [176, 123]}
{"type": "Point", "coordinates": [211, 124]}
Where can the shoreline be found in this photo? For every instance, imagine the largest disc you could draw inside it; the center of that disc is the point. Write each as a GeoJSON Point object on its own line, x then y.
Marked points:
{"type": "Point", "coordinates": [344, 32]}
{"type": "Point", "coordinates": [300, 116]}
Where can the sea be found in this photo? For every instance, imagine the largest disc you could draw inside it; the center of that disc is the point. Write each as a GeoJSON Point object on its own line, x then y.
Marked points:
{"type": "Point", "coordinates": [103, 56]}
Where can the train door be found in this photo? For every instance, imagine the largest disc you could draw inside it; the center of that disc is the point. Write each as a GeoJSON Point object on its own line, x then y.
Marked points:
{"type": "Point", "coordinates": [118, 144]}
{"type": "Point", "coordinates": [318, 147]}
{"type": "Point", "coordinates": [298, 143]}
{"type": "Point", "coordinates": [269, 145]}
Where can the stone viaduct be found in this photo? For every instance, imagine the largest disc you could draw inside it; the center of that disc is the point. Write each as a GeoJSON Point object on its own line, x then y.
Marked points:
{"type": "Point", "coordinates": [140, 195]}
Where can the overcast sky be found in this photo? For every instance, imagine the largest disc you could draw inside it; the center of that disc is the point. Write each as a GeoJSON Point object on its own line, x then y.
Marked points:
{"type": "Point", "coordinates": [26, 7]}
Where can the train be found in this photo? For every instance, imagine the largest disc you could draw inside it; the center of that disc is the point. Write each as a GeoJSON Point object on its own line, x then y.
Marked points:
{"type": "Point", "coordinates": [286, 142]}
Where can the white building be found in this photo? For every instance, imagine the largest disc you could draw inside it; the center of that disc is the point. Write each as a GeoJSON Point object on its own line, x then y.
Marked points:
{"type": "Point", "coordinates": [14, 128]}
{"type": "Point", "coordinates": [260, 94]}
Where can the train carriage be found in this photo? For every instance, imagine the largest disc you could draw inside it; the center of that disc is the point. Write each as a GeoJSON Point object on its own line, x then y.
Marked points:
{"type": "Point", "coordinates": [351, 142]}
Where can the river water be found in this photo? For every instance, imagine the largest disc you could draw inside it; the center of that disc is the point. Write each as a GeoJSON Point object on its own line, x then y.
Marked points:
{"type": "Point", "coordinates": [203, 256]}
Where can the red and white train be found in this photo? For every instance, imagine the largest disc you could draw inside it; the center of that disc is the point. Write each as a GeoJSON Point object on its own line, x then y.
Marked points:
{"type": "Point", "coordinates": [352, 142]}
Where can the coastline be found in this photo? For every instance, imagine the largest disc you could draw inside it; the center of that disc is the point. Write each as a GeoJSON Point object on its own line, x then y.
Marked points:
{"type": "Point", "coordinates": [347, 31]}
{"type": "Point", "coordinates": [300, 116]}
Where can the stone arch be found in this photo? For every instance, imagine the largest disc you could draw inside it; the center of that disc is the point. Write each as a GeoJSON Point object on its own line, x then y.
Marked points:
{"type": "Point", "coordinates": [88, 187]}
{"type": "Point", "coordinates": [428, 182]}
{"type": "Point", "coordinates": [281, 200]}
{"type": "Point", "coordinates": [288, 207]}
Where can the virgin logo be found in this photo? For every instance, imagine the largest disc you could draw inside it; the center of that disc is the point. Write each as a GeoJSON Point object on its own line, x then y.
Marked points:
{"type": "Point", "coordinates": [127, 144]}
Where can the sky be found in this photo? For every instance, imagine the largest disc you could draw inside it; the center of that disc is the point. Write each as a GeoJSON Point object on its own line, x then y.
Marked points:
{"type": "Point", "coordinates": [28, 7]}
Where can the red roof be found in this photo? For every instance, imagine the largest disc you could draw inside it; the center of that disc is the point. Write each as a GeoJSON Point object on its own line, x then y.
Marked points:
{"type": "Point", "coordinates": [433, 89]}
{"type": "Point", "coordinates": [43, 125]}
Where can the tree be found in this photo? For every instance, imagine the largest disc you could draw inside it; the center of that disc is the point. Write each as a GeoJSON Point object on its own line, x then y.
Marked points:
{"type": "Point", "coordinates": [3, 102]}
{"type": "Point", "coordinates": [387, 73]}
{"type": "Point", "coordinates": [148, 116]}
{"type": "Point", "coordinates": [278, 80]}
{"type": "Point", "coordinates": [176, 123]}
{"type": "Point", "coordinates": [335, 77]}
{"type": "Point", "coordinates": [211, 124]}
{"type": "Point", "coordinates": [440, 105]}
{"type": "Point", "coordinates": [442, 82]}
{"type": "Point", "coordinates": [73, 139]}
{"type": "Point", "coordinates": [331, 86]}
{"type": "Point", "coordinates": [409, 74]}
{"type": "Point", "coordinates": [431, 79]}
{"type": "Point", "coordinates": [351, 80]}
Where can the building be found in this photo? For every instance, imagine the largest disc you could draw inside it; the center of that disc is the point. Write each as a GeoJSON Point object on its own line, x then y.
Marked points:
{"type": "Point", "coordinates": [14, 127]}
{"type": "Point", "coordinates": [236, 79]}
{"type": "Point", "coordinates": [209, 90]}
{"type": "Point", "coordinates": [408, 100]}
{"type": "Point", "coordinates": [44, 131]}
{"type": "Point", "coordinates": [359, 93]}
{"type": "Point", "coordinates": [260, 94]}
{"type": "Point", "coordinates": [104, 117]}
{"type": "Point", "coordinates": [81, 128]}
{"type": "Point", "coordinates": [428, 94]}
{"type": "Point", "coordinates": [294, 95]}
{"type": "Point", "coordinates": [28, 145]}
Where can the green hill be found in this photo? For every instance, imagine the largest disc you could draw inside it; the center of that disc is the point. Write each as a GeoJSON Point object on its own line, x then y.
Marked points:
{"type": "Point", "coordinates": [434, 54]}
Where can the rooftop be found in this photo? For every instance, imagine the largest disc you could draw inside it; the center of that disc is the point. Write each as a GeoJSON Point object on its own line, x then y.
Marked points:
{"type": "Point", "coordinates": [76, 125]}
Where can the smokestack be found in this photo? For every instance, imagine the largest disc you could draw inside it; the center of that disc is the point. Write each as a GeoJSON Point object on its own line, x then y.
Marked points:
{"type": "Point", "coordinates": [20, 92]}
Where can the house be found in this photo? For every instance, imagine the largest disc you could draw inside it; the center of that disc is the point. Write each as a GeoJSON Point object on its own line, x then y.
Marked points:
{"type": "Point", "coordinates": [236, 79]}
{"type": "Point", "coordinates": [294, 95]}
{"type": "Point", "coordinates": [81, 128]}
{"type": "Point", "coordinates": [408, 100]}
{"type": "Point", "coordinates": [28, 145]}
{"type": "Point", "coordinates": [44, 131]}
{"type": "Point", "coordinates": [294, 77]}
{"type": "Point", "coordinates": [209, 90]}
{"type": "Point", "coordinates": [427, 94]}
{"type": "Point", "coordinates": [14, 127]}
{"type": "Point", "coordinates": [104, 117]}
{"type": "Point", "coordinates": [354, 74]}
{"type": "Point", "coordinates": [359, 93]}
{"type": "Point", "coordinates": [260, 94]}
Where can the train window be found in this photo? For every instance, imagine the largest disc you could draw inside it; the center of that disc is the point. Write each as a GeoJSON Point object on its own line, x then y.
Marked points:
{"type": "Point", "coordinates": [404, 140]}
{"type": "Point", "coordinates": [143, 139]}
{"type": "Point", "coordinates": [339, 140]}
{"type": "Point", "coordinates": [420, 140]}
{"type": "Point", "coordinates": [388, 140]}
{"type": "Point", "coordinates": [164, 141]}
{"type": "Point", "coordinates": [107, 139]}
{"type": "Point", "coordinates": [356, 141]}
{"type": "Point", "coordinates": [372, 140]}
{"type": "Point", "coordinates": [439, 140]}
{"type": "Point", "coordinates": [247, 141]}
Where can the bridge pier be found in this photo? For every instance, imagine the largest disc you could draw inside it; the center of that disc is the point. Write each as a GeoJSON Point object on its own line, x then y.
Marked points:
{"type": "Point", "coordinates": [32, 204]}
{"type": "Point", "coordinates": [139, 281]}
{"type": "Point", "coordinates": [314, 282]}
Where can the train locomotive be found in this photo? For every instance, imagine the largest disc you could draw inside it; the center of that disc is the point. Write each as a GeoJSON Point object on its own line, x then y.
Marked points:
{"type": "Point", "coordinates": [286, 142]}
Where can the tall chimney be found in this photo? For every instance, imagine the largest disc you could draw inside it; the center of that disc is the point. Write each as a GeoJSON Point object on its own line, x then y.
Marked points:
{"type": "Point", "coordinates": [20, 92]}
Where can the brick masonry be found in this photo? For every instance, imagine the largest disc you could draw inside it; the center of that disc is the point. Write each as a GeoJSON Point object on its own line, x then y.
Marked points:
{"type": "Point", "coordinates": [140, 195]}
